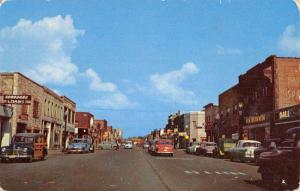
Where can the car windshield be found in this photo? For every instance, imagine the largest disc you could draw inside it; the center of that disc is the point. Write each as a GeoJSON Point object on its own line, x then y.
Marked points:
{"type": "Point", "coordinates": [21, 139]}
{"type": "Point", "coordinates": [249, 144]}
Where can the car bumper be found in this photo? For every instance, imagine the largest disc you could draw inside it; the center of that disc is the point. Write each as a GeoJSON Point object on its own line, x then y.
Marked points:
{"type": "Point", "coordinates": [19, 156]}
{"type": "Point", "coordinates": [75, 151]}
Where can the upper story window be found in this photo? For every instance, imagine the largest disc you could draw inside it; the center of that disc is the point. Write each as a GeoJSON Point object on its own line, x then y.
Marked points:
{"type": "Point", "coordinates": [35, 112]}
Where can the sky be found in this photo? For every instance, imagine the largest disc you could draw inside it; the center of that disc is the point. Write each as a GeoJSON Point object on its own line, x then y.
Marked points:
{"type": "Point", "coordinates": [133, 62]}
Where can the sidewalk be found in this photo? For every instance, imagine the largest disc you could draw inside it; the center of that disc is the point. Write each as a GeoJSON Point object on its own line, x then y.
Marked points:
{"type": "Point", "coordinates": [54, 151]}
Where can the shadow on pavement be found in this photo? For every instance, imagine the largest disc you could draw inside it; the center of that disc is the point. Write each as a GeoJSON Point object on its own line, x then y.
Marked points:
{"type": "Point", "coordinates": [259, 183]}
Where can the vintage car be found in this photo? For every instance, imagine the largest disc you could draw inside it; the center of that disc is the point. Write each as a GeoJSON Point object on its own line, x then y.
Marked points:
{"type": "Point", "coordinates": [206, 148]}
{"type": "Point", "coordinates": [243, 151]}
{"type": "Point", "coordinates": [128, 145]}
{"type": "Point", "coordinates": [192, 148]}
{"type": "Point", "coordinates": [164, 147]}
{"type": "Point", "coordinates": [264, 147]}
{"type": "Point", "coordinates": [78, 147]}
{"type": "Point", "coordinates": [224, 144]}
{"type": "Point", "coordinates": [282, 163]}
{"type": "Point", "coordinates": [107, 145]}
{"type": "Point", "coordinates": [25, 146]}
{"type": "Point", "coordinates": [88, 141]}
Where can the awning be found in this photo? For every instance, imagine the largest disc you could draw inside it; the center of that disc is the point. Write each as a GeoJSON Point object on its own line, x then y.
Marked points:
{"type": "Point", "coordinates": [254, 126]}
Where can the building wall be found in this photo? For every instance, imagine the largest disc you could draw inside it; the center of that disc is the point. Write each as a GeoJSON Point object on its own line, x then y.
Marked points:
{"type": "Point", "coordinates": [211, 112]}
{"type": "Point", "coordinates": [228, 106]}
{"type": "Point", "coordinates": [194, 122]}
{"type": "Point", "coordinates": [84, 121]}
{"type": "Point", "coordinates": [44, 115]}
{"type": "Point", "coordinates": [287, 80]}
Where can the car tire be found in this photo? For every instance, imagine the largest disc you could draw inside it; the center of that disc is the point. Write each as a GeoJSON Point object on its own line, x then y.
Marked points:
{"type": "Point", "coordinates": [43, 157]}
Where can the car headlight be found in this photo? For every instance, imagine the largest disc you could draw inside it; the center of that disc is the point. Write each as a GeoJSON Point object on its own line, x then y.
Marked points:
{"type": "Point", "coordinates": [25, 150]}
{"type": "Point", "coordinates": [3, 150]}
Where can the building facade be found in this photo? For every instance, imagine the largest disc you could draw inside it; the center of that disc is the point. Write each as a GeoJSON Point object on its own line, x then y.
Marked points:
{"type": "Point", "coordinates": [44, 114]}
{"type": "Point", "coordinates": [85, 123]}
{"type": "Point", "coordinates": [251, 107]}
{"type": "Point", "coordinates": [194, 123]}
{"type": "Point", "coordinates": [211, 122]}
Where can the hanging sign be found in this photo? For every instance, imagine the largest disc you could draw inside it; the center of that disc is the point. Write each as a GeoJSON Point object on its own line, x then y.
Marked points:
{"type": "Point", "coordinates": [17, 99]}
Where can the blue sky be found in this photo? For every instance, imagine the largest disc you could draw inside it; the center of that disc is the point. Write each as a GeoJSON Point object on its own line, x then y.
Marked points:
{"type": "Point", "coordinates": [133, 62]}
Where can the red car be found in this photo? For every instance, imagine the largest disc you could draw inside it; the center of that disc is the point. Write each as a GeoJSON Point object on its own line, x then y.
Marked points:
{"type": "Point", "coordinates": [164, 146]}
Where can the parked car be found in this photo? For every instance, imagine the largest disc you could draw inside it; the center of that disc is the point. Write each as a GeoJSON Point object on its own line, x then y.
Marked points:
{"type": "Point", "coordinates": [164, 147]}
{"type": "Point", "coordinates": [146, 145]}
{"type": "Point", "coordinates": [107, 145]}
{"type": "Point", "coordinates": [88, 141]}
{"type": "Point", "coordinates": [223, 146]}
{"type": "Point", "coordinates": [192, 148]}
{"type": "Point", "coordinates": [206, 148]}
{"type": "Point", "coordinates": [128, 145]}
{"type": "Point", "coordinates": [244, 150]}
{"type": "Point", "coordinates": [265, 146]}
{"type": "Point", "coordinates": [78, 147]}
{"type": "Point", "coordinates": [282, 163]}
{"type": "Point", "coordinates": [25, 146]}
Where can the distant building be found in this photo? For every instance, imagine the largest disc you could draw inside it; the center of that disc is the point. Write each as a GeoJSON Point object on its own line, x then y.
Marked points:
{"type": "Point", "coordinates": [84, 122]}
{"type": "Point", "coordinates": [194, 123]}
{"type": "Point", "coordinates": [211, 121]}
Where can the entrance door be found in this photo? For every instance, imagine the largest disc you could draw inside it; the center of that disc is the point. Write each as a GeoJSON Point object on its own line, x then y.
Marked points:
{"type": "Point", "coordinates": [1, 131]}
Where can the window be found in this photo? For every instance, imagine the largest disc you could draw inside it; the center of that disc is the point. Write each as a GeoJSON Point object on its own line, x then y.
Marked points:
{"type": "Point", "coordinates": [194, 123]}
{"type": "Point", "coordinates": [24, 110]}
{"type": "Point", "coordinates": [35, 109]}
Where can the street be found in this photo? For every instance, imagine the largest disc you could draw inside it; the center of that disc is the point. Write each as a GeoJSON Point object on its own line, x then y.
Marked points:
{"type": "Point", "coordinates": [128, 170]}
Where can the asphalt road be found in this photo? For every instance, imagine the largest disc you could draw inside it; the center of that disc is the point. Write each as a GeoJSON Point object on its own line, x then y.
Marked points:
{"type": "Point", "coordinates": [128, 170]}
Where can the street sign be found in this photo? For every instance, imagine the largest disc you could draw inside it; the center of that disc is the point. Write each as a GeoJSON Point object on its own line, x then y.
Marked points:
{"type": "Point", "coordinates": [17, 99]}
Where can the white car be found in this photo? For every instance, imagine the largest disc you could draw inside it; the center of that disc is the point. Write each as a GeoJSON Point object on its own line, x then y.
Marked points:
{"type": "Point", "coordinates": [128, 145]}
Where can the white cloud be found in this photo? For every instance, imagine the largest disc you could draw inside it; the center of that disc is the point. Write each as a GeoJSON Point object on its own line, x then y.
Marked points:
{"type": "Point", "coordinates": [168, 84]}
{"type": "Point", "coordinates": [110, 96]}
{"type": "Point", "coordinates": [228, 51]}
{"type": "Point", "coordinates": [97, 84]}
{"type": "Point", "coordinates": [115, 100]}
{"type": "Point", "coordinates": [41, 49]}
{"type": "Point", "coordinates": [289, 41]}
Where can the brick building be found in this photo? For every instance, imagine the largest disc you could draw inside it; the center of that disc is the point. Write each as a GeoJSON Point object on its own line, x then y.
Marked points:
{"type": "Point", "coordinates": [99, 129]}
{"type": "Point", "coordinates": [84, 122]}
{"type": "Point", "coordinates": [270, 87]}
{"type": "Point", "coordinates": [44, 114]}
{"type": "Point", "coordinates": [211, 121]}
{"type": "Point", "coordinates": [230, 113]}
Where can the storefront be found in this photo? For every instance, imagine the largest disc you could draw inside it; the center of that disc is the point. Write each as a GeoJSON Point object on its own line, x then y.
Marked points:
{"type": "Point", "coordinates": [285, 119]}
{"type": "Point", "coordinates": [257, 127]}
{"type": "Point", "coordinates": [5, 125]}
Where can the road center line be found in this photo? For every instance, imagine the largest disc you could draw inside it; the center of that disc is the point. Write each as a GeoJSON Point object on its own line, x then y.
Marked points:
{"type": "Point", "coordinates": [206, 172]}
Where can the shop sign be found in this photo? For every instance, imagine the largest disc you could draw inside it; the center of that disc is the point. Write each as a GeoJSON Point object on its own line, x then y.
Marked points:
{"type": "Point", "coordinates": [255, 119]}
{"type": "Point", "coordinates": [17, 99]}
{"type": "Point", "coordinates": [288, 113]}
{"type": "Point", "coordinates": [284, 114]}
{"type": "Point", "coordinates": [182, 134]}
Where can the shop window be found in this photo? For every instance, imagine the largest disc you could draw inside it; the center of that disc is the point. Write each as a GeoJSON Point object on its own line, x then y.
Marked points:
{"type": "Point", "coordinates": [35, 109]}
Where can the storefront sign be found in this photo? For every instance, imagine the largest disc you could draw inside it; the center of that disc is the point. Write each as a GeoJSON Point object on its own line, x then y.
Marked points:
{"type": "Point", "coordinates": [182, 134]}
{"type": "Point", "coordinates": [255, 119]}
{"type": "Point", "coordinates": [288, 113]}
{"type": "Point", "coordinates": [17, 99]}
